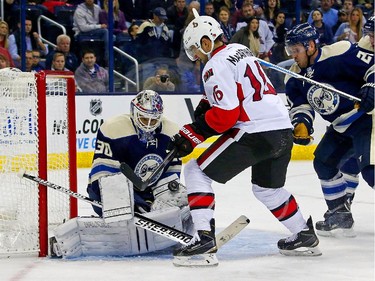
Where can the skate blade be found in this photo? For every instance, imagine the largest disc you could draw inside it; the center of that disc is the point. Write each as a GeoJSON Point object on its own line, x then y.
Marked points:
{"type": "Point", "coordinates": [202, 260]}
{"type": "Point", "coordinates": [303, 251]}
{"type": "Point", "coordinates": [338, 233]}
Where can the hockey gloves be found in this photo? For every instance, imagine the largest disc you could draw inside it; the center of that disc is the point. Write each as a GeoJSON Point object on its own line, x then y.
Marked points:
{"type": "Point", "coordinates": [367, 97]}
{"type": "Point", "coordinates": [186, 140]}
{"type": "Point", "coordinates": [201, 109]}
{"type": "Point", "coordinates": [302, 131]}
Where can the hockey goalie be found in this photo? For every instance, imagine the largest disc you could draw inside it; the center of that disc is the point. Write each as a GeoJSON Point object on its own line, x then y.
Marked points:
{"type": "Point", "coordinates": [140, 140]}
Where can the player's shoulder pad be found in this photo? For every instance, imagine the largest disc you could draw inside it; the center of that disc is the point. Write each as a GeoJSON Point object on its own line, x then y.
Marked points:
{"type": "Point", "coordinates": [335, 49]}
{"type": "Point", "coordinates": [365, 43]}
{"type": "Point", "coordinates": [294, 68]}
{"type": "Point", "coordinates": [118, 127]}
{"type": "Point", "coordinates": [169, 128]}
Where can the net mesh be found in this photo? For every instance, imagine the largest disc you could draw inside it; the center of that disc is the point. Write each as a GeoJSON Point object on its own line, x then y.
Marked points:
{"type": "Point", "coordinates": [19, 148]}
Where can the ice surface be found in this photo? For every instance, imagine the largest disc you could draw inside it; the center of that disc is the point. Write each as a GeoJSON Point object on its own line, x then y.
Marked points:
{"type": "Point", "coordinates": [252, 255]}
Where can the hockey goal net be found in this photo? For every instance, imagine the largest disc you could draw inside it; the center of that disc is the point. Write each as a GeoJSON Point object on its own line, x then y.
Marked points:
{"type": "Point", "coordinates": [37, 135]}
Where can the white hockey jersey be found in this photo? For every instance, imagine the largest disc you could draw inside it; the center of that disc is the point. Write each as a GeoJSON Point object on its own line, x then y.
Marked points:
{"type": "Point", "coordinates": [240, 93]}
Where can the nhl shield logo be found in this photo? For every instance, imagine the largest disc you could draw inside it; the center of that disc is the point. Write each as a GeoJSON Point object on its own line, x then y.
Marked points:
{"type": "Point", "coordinates": [96, 107]}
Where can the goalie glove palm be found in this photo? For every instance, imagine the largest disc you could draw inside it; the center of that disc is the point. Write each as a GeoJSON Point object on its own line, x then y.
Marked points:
{"type": "Point", "coordinates": [186, 140]}
{"type": "Point", "coordinates": [301, 135]}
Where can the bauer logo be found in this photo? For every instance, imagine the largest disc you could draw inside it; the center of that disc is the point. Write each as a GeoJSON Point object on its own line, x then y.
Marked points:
{"type": "Point", "coordinates": [96, 107]}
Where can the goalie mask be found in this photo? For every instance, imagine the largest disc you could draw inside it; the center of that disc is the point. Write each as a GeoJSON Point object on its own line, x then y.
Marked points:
{"type": "Point", "coordinates": [199, 27]}
{"type": "Point", "coordinates": [146, 110]}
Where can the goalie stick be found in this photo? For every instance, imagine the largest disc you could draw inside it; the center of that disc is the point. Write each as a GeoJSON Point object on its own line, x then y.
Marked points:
{"type": "Point", "coordinates": [138, 183]}
{"type": "Point", "coordinates": [145, 222]}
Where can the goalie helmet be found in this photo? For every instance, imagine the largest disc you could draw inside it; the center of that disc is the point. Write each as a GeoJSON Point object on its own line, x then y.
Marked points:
{"type": "Point", "coordinates": [146, 110]}
{"type": "Point", "coordinates": [199, 27]}
{"type": "Point", "coordinates": [301, 34]}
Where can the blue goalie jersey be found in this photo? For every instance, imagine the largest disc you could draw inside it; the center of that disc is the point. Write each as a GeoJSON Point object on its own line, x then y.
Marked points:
{"type": "Point", "coordinates": [117, 142]}
{"type": "Point", "coordinates": [343, 66]}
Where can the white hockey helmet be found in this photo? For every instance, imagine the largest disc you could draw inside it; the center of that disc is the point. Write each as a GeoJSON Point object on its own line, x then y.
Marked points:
{"type": "Point", "coordinates": [146, 110]}
{"type": "Point", "coordinates": [199, 27]}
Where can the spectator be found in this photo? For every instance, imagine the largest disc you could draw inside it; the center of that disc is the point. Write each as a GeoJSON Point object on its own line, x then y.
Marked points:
{"type": "Point", "coordinates": [134, 10]}
{"type": "Point", "coordinates": [325, 32]}
{"type": "Point", "coordinates": [343, 17]}
{"type": "Point", "coordinates": [240, 15]}
{"type": "Point", "coordinates": [330, 16]}
{"type": "Point", "coordinates": [58, 62]}
{"type": "Point", "coordinates": [86, 24]}
{"type": "Point", "coordinates": [89, 76]}
{"type": "Point", "coordinates": [177, 14]}
{"type": "Point", "coordinates": [119, 26]}
{"type": "Point", "coordinates": [37, 66]}
{"type": "Point", "coordinates": [4, 61]}
{"type": "Point", "coordinates": [6, 53]}
{"type": "Point", "coordinates": [279, 31]}
{"type": "Point", "coordinates": [160, 82]}
{"type": "Point", "coordinates": [209, 10]}
{"type": "Point", "coordinates": [51, 4]}
{"type": "Point", "coordinates": [33, 42]}
{"type": "Point", "coordinates": [63, 46]}
{"type": "Point", "coordinates": [352, 30]}
{"type": "Point", "coordinates": [270, 10]}
{"type": "Point", "coordinates": [249, 36]}
{"type": "Point", "coordinates": [4, 34]}
{"type": "Point", "coordinates": [153, 4]}
{"type": "Point", "coordinates": [29, 61]}
{"type": "Point", "coordinates": [228, 29]}
{"type": "Point", "coordinates": [224, 3]}
{"type": "Point", "coordinates": [153, 37]}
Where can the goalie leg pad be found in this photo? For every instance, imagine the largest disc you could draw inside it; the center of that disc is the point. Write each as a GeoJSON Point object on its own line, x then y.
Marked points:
{"type": "Point", "coordinates": [88, 236]}
{"type": "Point", "coordinates": [117, 196]}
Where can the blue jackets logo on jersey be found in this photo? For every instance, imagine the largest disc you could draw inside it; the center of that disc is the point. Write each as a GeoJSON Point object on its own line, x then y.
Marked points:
{"type": "Point", "coordinates": [147, 165]}
{"type": "Point", "coordinates": [323, 101]}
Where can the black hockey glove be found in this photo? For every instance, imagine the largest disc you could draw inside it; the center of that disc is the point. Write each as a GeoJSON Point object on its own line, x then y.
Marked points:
{"type": "Point", "coordinates": [302, 131]}
{"type": "Point", "coordinates": [367, 97]}
{"type": "Point", "coordinates": [185, 140]}
{"type": "Point", "coordinates": [202, 108]}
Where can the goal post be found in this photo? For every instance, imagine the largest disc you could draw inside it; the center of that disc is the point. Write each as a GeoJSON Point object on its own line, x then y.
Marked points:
{"type": "Point", "coordinates": [37, 134]}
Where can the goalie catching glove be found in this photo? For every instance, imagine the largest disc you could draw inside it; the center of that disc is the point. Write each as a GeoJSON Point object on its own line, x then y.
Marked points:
{"type": "Point", "coordinates": [302, 131]}
{"type": "Point", "coordinates": [168, 192]}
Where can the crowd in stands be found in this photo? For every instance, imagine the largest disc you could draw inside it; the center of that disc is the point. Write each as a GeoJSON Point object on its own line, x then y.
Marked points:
{"type": "Point", "coordinates": [151, 32]}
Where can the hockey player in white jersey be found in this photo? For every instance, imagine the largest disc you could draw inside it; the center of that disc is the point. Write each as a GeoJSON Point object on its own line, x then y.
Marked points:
{"type": "Point", "coordinates": [242, 106]}
{"type": "Point", "coordinates": [139, 139]}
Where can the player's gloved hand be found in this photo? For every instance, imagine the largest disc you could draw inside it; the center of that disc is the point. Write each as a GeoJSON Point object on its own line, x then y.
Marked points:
{"type": "Point", "coordinates": [168, 192]}
{"type": "Point", "coordinates": [301, 135]}
{"type": "Point", "coordinates": [367, 97]}
{"type": "Point", "coordinates": [185, 140]}
{"type": "Point", "coordinates": [202, 108]}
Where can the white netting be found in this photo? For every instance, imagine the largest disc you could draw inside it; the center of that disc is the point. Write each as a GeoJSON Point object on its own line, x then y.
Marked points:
{"type": "Point", "coordinates": [19, 149]}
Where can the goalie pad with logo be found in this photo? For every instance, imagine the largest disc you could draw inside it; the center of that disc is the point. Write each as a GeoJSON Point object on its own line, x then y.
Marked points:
{"type": "Point", "coordinates": [92, 236]}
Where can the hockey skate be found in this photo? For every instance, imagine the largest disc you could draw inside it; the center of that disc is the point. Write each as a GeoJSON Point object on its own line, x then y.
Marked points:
{"type": "Point", "coordinates": [337, 223]}
{"type": "Point", "coordinates": [201, 250]}
{"type": "Point", "coordinates": [304, 243]}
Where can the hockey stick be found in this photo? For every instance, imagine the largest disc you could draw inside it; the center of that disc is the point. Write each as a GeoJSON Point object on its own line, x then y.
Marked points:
{"type": "Point", "coordinates": [139, 220]}
{"type": "Point", "coordinates": [139, 184]}
{"type": "Point", "coordinates": [306, 79]}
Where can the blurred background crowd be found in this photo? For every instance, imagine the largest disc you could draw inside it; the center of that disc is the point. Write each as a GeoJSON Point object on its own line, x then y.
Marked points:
{"type": "Point", "coordinates": [130, 45]}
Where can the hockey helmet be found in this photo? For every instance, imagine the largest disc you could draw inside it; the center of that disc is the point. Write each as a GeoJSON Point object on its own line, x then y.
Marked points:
{"type": "Point", "coordinates": [146, 110]}
{"type": "Point", "coordinates": [369, 26]}
{"type": "Point", "coordinates": [199, 27]}
{"type": "Point", "coordinates": [301, 34]}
